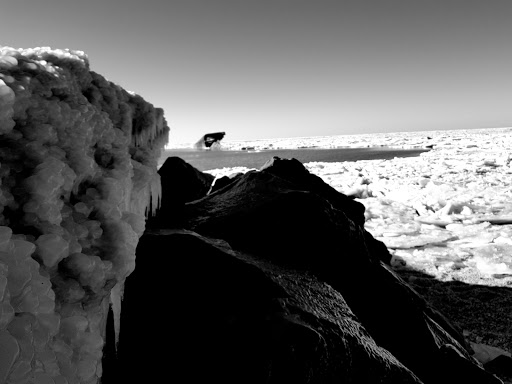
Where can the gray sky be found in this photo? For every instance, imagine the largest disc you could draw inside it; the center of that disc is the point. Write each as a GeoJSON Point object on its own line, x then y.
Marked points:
{"type": "Point", "coordinates": [285, 68]}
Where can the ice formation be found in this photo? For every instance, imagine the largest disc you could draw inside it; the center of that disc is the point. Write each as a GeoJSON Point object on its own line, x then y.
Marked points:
{"type": "Point", "coordinates": [78, 157]}
{"type": "Point", "coordinates": [446, 212]}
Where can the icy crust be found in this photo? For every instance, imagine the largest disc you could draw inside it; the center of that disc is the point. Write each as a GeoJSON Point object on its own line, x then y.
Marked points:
{"type": "Point", "coordinates": [447, 212]}
{"type": "Point", "coordinates": [78, 157]}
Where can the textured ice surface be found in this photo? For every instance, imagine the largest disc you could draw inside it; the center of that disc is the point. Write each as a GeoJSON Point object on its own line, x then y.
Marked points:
{"type": "Point", "coordinates": [448, 209]}
{"type": "Point", "coordinates": [78, 158]}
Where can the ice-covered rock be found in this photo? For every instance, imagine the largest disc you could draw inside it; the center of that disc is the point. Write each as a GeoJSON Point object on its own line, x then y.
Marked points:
{"type": "Point", "coordinates": [78, 157]}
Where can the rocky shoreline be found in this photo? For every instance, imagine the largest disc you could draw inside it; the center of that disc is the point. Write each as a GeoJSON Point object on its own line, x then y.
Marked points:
{"type": "Point", "coordinates": [445, 217]}
{"type": "Point", "coordinates": [286, 273]}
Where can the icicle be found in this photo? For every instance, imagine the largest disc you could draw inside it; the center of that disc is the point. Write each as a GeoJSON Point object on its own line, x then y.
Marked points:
{"type": "Point", "coordinates": [116, 295]}
{"type": "Point", "coordinates": [156, 193]}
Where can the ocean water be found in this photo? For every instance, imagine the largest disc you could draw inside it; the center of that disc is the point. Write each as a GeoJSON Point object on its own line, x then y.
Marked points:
{"type": "Point", "coordinates": [213, 159]}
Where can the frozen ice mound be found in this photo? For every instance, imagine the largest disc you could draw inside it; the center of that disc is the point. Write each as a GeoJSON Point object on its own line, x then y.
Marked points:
{"type": "Point", "coordinates": [78, 177]}
{"type": "Point", "coordinates": [446, 212]}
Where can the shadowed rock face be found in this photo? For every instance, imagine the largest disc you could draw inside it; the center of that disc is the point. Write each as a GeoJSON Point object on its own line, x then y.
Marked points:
{"type": "Point", "coordinates": [232, 318]}
{"type": "Point", "coordinates": [181, 183]}
{"type": "Point", "coordinates": [293, 171]}
{"type": "Point", "coordinates": [223, 181]}
{"type": "Point", "coordinates": [301, 294]}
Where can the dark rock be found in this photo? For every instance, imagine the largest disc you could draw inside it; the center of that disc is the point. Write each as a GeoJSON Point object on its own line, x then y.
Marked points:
{"type": "Point", "coordinates": [295, 224]}
{"type": "Point", "coordinates": [501, 366]}
{"type": "Point", "coordinates": [264, 213]}
{"type": "Point", "coordinates": [293, 289]}
{"type": "Point", "coordinates": [196, 311]}
{"type": "Point", "coordinates": [221, 182]}
{"type": "Point", "coordinates": [459, 369]}
{"type": "Point", "coordinates": [294, 171]}
{"type": "Point", "coordinates": [181, 183]}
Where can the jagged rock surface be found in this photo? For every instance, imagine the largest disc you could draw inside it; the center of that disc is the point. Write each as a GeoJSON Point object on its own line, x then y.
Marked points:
{"type": "Point", "coordinates": [502, 366]}
{"type": "Point", "coordinates": [304, 236]}
{"type": "Point", "coordinates": [235, 318]}
{"type": "Point", "coordinates": [293, 171]}
{"type": "Point", "coordinates": [222, 181]}
{"type": "Point", "coordinates": [181, 183]}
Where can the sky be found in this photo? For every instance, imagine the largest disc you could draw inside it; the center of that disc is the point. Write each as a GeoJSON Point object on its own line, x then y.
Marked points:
{"type": "Point", "coordinates": [259, 69]}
